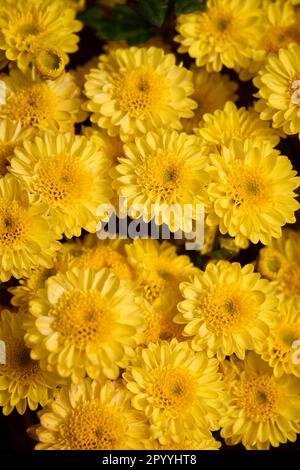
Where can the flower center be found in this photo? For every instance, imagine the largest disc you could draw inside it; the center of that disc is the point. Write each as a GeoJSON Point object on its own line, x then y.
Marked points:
{"type": "Point", "coordinates": [280, 37]}
{"type": "Point", "coordinates": [218, 23]}
{"type": "Point", "coordinates": [270, 262]}
{"type": "Point", "coordinates": [92, 426]}
{"type": "Point", "coordinates": [161, 175]}
{"type": "Point", "coordinates": [6, 150]}
{"type": "Point", "coordinates": [105, 257]}
{"type": "Point", "coordinates": [281, 346]}
{"type": "Point", "coordinates": [19, 364]}
{"type": "Point", "coordinates": [140, 91]}
{"type": "Point", "coordinates": [290, 277]}
{"type": "Point", "coordinates": [160, 326]}
{"type": "Point", "coordinates": [249, 189]}
{"type": "Point", "coordinates": [259, 397]}
{"type": "Point", "coordinates": [32, 105]}
{"type": "Point", "coordinates": [14, 224]}
{"type": "Point", "coordinates": [173, 390]}
{"type": "Point", "coordinates": [83, 318]}
{"type": "Point", "coordinates": [62, 181]}
{"type": "Point", "coordinates": [226, 309]}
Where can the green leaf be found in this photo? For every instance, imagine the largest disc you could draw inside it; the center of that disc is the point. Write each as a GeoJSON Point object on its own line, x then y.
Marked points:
{"type": "Point", "coordinates": [154, 11]}
{"type": "Point", "coordinates": [123, 23]}
{"type": "Point", "coordinates": [188, 6]}
{"type": "Point", "coordinates": [222, 253]}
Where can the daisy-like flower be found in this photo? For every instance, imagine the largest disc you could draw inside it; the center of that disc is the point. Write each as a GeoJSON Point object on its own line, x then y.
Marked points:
{"type": "Point", "coordinates": [42, 104]}
{"type": "Point", "coordinates": [279, 90]}
{"type": "Point", "coordinates": [261, 410]}
{"type": "Point", "coordinates": [160, 325]}
{"type": "Point", "coordinates": [26, 26]}
{"type": "Point", "coordinates": [11, 135]}
{"type": "Point", "coordinates": [98, 254]}
{"type": "Point", "coordinates": [221, 127]}
{"type": "Point", "coordinates": [26, 239]}
{"type": "Point", "coordinates": [49, 62]}
{"type": "Point", "coordinates": [280, 262]}
{"type": "Point", "coordinates": [252, 191]}
{"type": "Point", "coordinates": [82, 322]}
{"type": "Point", "coordinates": [193, 440]}
{"type": "Point", "coordinates": [134, 91]}
{"type": "Point", "coordinates": [227, 309]}
{"type": "Point", "coordinates": [162, 174]}
{"type": "Point", "coordinates": [281, 28]}
{"type": "Point", "coordinates": [177, 389]}
{"type": "Point", "coordinates": [278, 348]}
{"type": "Point", "coordinates": [68, 174]}
{"type": "Point", "coordinates": [91, 416]}
{"type": "Point", "coordinates": [225, 34]}
{"type": "Point", "coordinates": [212, 91]}
{"type": "Point", "coordinates": [160, 271]}
{"type": "Point", "coordinates": [22, 382]}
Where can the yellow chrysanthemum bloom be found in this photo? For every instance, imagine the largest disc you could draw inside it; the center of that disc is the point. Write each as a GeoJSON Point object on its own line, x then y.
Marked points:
{"type": "Point", "coordinates": [261, 410]}
{"type": "Point", "coordinates": [11, 135]}
{"type": "Point", "coordinates": [26, 26]}
{"type": "Point", "coordinates": [91, 416]}
{"type": "Point", "coordinates": [98, 254]}
{"type": "Point", "coordinates": [212, 91]}
{"type": "Point", "coordinates": [49, 62]}
{"type": "Point", "coordinates": [160, 271]}
{"type": "Point", "coordinates": [26, 240]}
{"type": "Point", "coordinates": [25, 291]}
{"type": "Point", "coordinates": [280, 28]}
{"type": "Point", "coordinates": [80, 72]}
{"type": "Point", "coordinates": [193, 440]}
{"type": "Point", "coordinates": [82, 322]}
{"type": "Point", "coordinates": [252, 191]}
{"type": "Point", "coordinates": [68, 174]}
{"type": "Point", "coordinates": [161, 170]}
{"type": "Point", "coordinates": [160, 325]}
{"type": "Point", "coordinates": [138, 90]}
{"type": "Point", "coordinates": [278, 83]}
{"type": "Point", "coordinates": [227, 309]}
{"type": "Point", "coordinates": [42, 104]}
{"type": "Point", "coordinates": [22, 382]}
{"type": "Point", "coordinates": [225, 34]}
{"type": "Point", "coordinates": [219, 128]}
{"type": "Point", "coordinates": [280, 262]}
{"type": "Point", "coordinates": [278, 348]}
{"type": "Point", "coordinates": [177, 389]}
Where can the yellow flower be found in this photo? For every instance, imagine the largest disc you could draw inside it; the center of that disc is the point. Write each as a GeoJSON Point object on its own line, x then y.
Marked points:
{"type": "Point", "coordinates": [138, 90]}
{"type": "Point", "coordinates": [278, 84]}
{"type": "Point", "coordinates": [97, 254]}
{"type": "Point", "coordinates": [49, 62]}
{"type": "Point", "coordinates": [280, 262]}
{"type": "Point", "coordinates": [193, 440]}
{"type": "Point", "coordinates": [252, 191]}
{"type": "Point", "coordinates": [25, 291]}
{"type": "Point", "coordinates": [161, 170]}
{"type": "Point", "coordinates": [278, 348]}
{"type": "Point", "coordinates": [227, 309]}
{"type": "Point", "coordinates": [26, 26]}
{"type": "Point", "coordinates": [225, 34]}
{"type": "Point", "coordinates": [42, 104]}
{"type": "Point", "coordinates": [280, 28]}
{"type": "Point", "coordinates": [212, 91]}
{"type": "Point", "coordinates": [82, 322]}
{"type": "Point", "coordinates": [261, 410]}
{"type": "Point", "coordinates": [160, 271]}
{"type": "Point", "coordinates": [22, 382]}
{"type": "Point", "coordinates": [91, 416]}
{"type": "Point", "coordinates": [177, 389]}
{"type": "Point", "coordinates": [26, 240]}
{"type": "Point", "coordinates": [156, 41]}
{"type": "Point", "coordinates": [219, 128]}
{"type": "Point", "coordinates": [160, 325]}
{"type": "Point", "coordinates": [81, 71]}
{"type": "Point", "coordinates": [68, 174]}
{"type": "Point", "coordinates": [11, 135]}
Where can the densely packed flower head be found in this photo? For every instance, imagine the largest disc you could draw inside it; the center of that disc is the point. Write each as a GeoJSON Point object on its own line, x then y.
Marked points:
{"type": "Point", "coordinates": [149, 223]}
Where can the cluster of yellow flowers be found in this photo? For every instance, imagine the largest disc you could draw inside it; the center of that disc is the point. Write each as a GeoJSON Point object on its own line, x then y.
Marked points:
{"type": "Point", "coordinates": [126, 344]}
